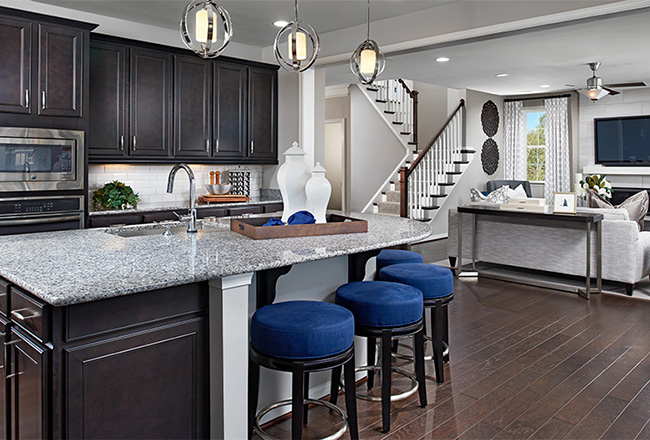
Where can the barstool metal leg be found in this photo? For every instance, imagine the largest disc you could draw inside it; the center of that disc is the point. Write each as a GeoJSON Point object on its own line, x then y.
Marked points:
{"type": "Point", "coordinates": [305, 395]}
{"type": "Point", "coordinates": [418, 358]}
{"type": "Point", "coordinates": [370, 360]}
{"type": "Point", "coordinates": [445, 335]}
{"type": "Point", "coordinates": [297, 401]}
{"type": "Point", "coordinates": [334, 384]}
{"type": "Point", "coordinates": [253, 389]}
{"type": "Point", "coordinates": [350, 398]}
{"type": "Point", "coordinates": [386, 378]}
{"type": "Point", "coordinates": [438, 346]}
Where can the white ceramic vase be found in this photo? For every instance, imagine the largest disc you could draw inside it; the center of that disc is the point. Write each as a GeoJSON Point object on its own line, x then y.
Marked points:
{"type": "Point", "coordinates": [293, 175]}
{"type": "Point", "coordinates": [318, 191]}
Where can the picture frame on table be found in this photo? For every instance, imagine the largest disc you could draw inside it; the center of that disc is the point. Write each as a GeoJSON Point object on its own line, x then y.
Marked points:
{"type": "Point", "coordinates": [565, 202]}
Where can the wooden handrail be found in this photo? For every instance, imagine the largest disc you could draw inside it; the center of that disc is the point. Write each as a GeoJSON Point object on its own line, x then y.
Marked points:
{"type": "Point", "coordinates": [410, 169]}
{"type": "Point", "coordinates": [414, 96]}
{"type": "Point", "coordinates": [401, 81]}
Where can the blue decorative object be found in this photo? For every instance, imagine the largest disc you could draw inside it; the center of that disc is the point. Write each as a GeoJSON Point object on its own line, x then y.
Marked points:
{"type": "Point", "coordinates": [434, 281]}
{"type": "Point", "coordinates": [388, 257]}
{"type": "Point", "coordinates": [274, 222]}
{"type": "Point", "coordinates": [381, 304]}
{"type": "Point", "coordinates": [301, 218]}
{"type": "Point", "coordinates": [302, 329]}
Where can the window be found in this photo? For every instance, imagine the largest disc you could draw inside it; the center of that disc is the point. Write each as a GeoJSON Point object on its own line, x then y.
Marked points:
{"type": "Point", "coordinates": [535, 145]}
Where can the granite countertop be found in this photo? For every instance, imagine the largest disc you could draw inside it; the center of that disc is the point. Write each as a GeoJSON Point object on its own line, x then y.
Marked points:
{"type": "Point", "coordinates": [71, 267]}
{"type": "Point", "coordinates": [252, 201]}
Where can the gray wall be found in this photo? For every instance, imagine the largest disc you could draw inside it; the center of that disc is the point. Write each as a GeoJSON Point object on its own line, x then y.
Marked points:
{"type": "Point", "coordinates": [432, 111]}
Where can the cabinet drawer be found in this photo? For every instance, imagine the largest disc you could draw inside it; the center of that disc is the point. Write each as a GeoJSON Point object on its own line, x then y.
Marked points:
{"type": "Point", "coordinates": [101, 221]}
{"type": "Point", "coordinates": [273, 207]}
{"type": "Point", "coordinates": [245, 210]}
{"type": "Point", "coordinates": [4, 297]}
{"type": "Point", "coordinates": [211, 212]}
{"type": "Point", "coordinates": [29, 313]}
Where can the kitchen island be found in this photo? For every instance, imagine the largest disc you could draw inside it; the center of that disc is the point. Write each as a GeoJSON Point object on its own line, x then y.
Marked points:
{"type": "Point", "coordinates": [129, 328]}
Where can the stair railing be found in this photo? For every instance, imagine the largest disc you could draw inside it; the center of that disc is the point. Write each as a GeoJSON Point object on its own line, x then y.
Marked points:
{"type": "Point", "coordinates": [402, 103]}
{"type": "Point", "coordinates": [423, 178]}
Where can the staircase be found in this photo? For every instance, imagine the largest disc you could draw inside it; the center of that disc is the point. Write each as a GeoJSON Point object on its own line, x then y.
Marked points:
{"type": "Point", "coordinates": [422, 182]}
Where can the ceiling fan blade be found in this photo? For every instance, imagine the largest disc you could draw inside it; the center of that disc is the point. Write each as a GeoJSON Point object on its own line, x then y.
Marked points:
{"type": "Point", "coordinates": [611, 91]}
{"type": "Point", "coordinates": [628, 84]}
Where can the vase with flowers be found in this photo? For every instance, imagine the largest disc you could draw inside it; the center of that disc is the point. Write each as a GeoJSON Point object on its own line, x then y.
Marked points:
{"type": "Point", "coordinates": [599, 184]}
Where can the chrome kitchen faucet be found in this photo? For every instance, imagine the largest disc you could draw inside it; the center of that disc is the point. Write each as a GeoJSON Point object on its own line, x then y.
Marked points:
{"type": "Point", "coordinates": [191, 226]}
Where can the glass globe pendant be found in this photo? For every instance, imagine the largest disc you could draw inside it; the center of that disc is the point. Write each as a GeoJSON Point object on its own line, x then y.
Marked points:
{"type": "Point", "coordinates": [206, 28]}
{"type": "Point", "coordinates": [303, 45]}
{"type": "Point", "coordinates": [367, 61]}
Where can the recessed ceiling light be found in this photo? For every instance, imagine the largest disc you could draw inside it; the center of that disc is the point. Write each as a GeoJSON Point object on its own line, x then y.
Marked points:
{"type": "Point", "coordinates": [502, 75]}
{"type": "Point", "coordinates": [442, 59]}
{"type": "Point", "coordinates": [544, 86]}
{"type": "Point", "coordinates": [280, 23]}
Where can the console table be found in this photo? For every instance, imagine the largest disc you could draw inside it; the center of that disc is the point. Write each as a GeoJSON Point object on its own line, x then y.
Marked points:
{"type": "Point", "coordinates": [589, 219]}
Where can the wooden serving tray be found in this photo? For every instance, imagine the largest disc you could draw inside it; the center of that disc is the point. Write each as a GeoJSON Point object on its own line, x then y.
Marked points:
{"type": "Point", "coordinates": [223, 198]}
{"type": "Point", "coordinates": [336, 224]}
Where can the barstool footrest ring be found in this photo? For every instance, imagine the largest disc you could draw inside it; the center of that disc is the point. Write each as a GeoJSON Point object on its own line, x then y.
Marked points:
{"type": "Point", "coordinates": [260, 432]}
{"type": "Point", "coordinates": [408, 357]}
{"type": "Point", "coordinates": [393, 397]}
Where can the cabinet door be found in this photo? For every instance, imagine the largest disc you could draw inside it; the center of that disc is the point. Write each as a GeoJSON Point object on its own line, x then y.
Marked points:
{"type": "Point", "coordinates": [262, 114]}
{"type": "Point", "coordinates": [193, 106]}
{"type": "Point", "coordinates": [149, 384]}
{"type": "Point", "coordinates": [4, 389]}
{"type": "Point", "coordinates": [230, 87]}
{"type": "Point", "coordinates": [60, 66]}
{"type": "Point", "coordinates": [150, 96]}
{"type": "Point", "coordinates": [15, 67]}
{"type": "Point", "coordinates": [107, 114]}
{"type": "Point", "coordinates": [29, 379]}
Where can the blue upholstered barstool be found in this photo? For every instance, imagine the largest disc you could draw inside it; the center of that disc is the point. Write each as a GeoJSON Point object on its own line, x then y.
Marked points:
{"type": "Point", "coordinates": [388, 257]}
{"type": "Point", "coordinates": [302, 337]}
{"type": "Point", "coordinates": [437, 285]}
{"type": "Point", "coordinates": [384, 310]}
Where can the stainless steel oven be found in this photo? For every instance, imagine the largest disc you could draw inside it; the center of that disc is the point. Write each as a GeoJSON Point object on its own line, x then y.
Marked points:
{"type": "Point", "coordinates": [21, 215]}
{"type": "Point", "coordinates": [34, 159]}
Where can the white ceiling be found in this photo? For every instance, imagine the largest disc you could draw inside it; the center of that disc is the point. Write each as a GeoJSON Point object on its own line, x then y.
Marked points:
{"type": "Point", "coordinates": [553, 54]}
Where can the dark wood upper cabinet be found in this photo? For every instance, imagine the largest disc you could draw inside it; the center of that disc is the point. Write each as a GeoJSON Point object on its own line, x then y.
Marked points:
{"type": "Point", "coordinates": [262, 113]}
{"type": "Point", "coordinates": [16, 66]}
{"type": "Point", "coordinates": [150, 95]}
{"type": "Point", "coordinates": [60, 71]}
{"type": "Point", "coordinates": [192, 106]}
{"type": "Point", "coordinates": [230, 92]}
{"type": "Point", "coordinates": [107, 101]}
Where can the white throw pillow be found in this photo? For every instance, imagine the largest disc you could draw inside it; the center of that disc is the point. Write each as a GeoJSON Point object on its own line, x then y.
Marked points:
{"type": "Point", "coordinates": [517, 193]}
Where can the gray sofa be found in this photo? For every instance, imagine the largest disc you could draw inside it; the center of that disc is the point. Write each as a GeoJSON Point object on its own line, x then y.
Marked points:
{"type": "Point", "coordinates": [542, 246]}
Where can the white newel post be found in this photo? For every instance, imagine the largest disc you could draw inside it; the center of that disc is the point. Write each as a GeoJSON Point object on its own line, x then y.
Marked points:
{"type": "Point", "coordinates": [228, 336]}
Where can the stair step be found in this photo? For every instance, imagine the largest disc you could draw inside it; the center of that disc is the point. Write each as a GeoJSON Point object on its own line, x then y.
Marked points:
{"type": "Point", "coordinates": [461, 162]}
{"type": "Point", "coordinates": [398, 123]}
{"type": "Point", "coordinates": [405, 132]}
{"type": "Point", "coordinates": [453, 173]}
{"type": "Point", "coordinates": [437, 195]}
{"type": "Point", "coordinates": [423, 220]}
{"type": "Point", "coordinates": [467, 151]}
{"type": "Point", "coordinates": [392, 196]}
{"type": "Point", "coordinates": [388, 208]}
{"type": "Point", "coordinates": [372, 89]}
{"type": "Point", "coordinates": [389, 112]}
{"type": "Point", "coordinates": [446, 184]}
{"type": "Point", "coordinates": [430, 208]}
{"type": "Point", "coordinates": [382, 101]}
{"type": "Point", "coordinates": [412, 143]}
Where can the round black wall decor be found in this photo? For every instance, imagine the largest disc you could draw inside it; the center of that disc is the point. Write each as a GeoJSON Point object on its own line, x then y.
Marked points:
{"type": "Point", "coordinates": [490, 156]}
{"type": "Point", "coordinates": [490, 118]}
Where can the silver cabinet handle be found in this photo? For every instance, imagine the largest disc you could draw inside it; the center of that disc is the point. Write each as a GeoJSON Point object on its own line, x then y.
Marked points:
{"type": "Point", "coordinates": [27, 98]}
{"type": "Point", "coordinates": [9, 376]}
{"type": "Point", "coordinates": [135, 142]}
{"type": "Point", "coordinates": [19, 316]}
{"type": "Point", "coordinates": [216, 145]}
{"type": "Point", "coordinates": [43, 99]}
{"type": "Point", "coordinates": [122, 143]}
{"type": "Point", "coordinates": [252, 147]}
{"type": "Point", "coordinates": [207, 145]}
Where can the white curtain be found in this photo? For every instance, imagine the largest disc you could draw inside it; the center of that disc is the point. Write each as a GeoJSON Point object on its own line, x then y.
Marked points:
{"type": "Point", "coordinates": [557, 147]}
{"type": "Point", "coordinates": [514, 127]}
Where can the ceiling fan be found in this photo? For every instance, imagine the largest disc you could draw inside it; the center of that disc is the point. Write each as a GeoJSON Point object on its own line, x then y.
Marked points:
{"type": "Point", "coordinates": [595, 88]}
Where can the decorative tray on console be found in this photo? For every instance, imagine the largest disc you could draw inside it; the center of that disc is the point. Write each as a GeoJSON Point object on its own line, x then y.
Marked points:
{"type": "Point", "coordinates": [223, 198]}
{"type": "Point", "coordinates": [336, 224]}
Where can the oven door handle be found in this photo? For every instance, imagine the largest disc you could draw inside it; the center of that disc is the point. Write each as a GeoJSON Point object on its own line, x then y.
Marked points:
{"type": "Point", "coordinates": [40, 220]}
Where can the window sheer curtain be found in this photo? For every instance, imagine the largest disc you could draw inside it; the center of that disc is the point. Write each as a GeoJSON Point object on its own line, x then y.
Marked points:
{"type": "Point", "coordinates": [514, 127]}
{"type": "Point", "coordinates": [557, 147]}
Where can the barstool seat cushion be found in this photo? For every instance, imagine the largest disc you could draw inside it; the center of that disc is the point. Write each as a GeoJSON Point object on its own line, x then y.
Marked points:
{"type": "Point", "coordinates": [381, 304]}
{"type": "Point", "coordinates": [388, 257]}
{"type": "Point", "coordinates": [302, 329]}
{"type": "Point", "coordinates": [434, 281]}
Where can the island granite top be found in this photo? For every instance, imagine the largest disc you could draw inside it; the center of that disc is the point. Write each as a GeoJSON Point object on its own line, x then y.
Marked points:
{"type": "Point", "coordinates": [71, 267]}
{"type": "Point", "coordinates": [165, 207]}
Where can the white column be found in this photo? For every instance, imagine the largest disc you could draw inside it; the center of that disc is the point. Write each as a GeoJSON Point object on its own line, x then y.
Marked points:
{"type": "Point", "coordinates": [228, 336]}
{"type": "Point", "coordinates": [312, 115]}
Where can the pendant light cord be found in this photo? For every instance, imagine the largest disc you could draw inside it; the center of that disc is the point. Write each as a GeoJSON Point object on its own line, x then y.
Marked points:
{"type": "Point", "coordinates": [295, 9]}
{"type": "Point", "coordinates": [368, 26]}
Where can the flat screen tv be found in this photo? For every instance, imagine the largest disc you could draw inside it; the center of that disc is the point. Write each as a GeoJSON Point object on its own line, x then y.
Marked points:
{"type": "Point", "coordinates": [623, 140]}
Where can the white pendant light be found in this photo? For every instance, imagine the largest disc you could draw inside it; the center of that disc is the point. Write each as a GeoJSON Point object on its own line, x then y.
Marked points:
{"type": "Point", "coordinates": [303, 45]}
{"type": "Point", "coordinates": [206, 28]}
{"type": "Point", "coordinates": [367, 62]}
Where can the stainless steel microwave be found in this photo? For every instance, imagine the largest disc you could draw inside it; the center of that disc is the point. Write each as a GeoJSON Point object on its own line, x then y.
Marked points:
{"type": "Point", "coordinates": [36, 159]}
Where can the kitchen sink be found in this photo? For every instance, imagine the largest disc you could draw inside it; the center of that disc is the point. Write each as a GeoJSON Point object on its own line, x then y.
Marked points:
{"type": "Point", "coordinates": [161, 229]}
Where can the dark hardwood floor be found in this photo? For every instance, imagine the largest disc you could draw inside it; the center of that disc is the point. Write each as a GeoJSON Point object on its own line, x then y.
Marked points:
{"type": "Point", "coordinates": [526, 362]}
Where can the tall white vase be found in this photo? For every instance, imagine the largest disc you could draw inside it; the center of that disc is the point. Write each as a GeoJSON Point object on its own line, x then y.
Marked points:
{"type": "Point", "coordinates": [318, 191]}
{"type": "Point", "coordinates": [293, 175]}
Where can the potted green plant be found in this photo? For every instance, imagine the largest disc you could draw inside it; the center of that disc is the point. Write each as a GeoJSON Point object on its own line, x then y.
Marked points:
{"type": "Point", "coordinates": [115, 195]}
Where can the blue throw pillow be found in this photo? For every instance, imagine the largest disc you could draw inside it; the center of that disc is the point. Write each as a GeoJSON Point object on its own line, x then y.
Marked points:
{"type": "Point", "coordinates": [274, 222]}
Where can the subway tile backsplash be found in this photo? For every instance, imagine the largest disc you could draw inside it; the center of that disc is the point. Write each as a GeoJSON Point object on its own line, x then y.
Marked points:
{"type": "Point", "coordinates": [150, 181]}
